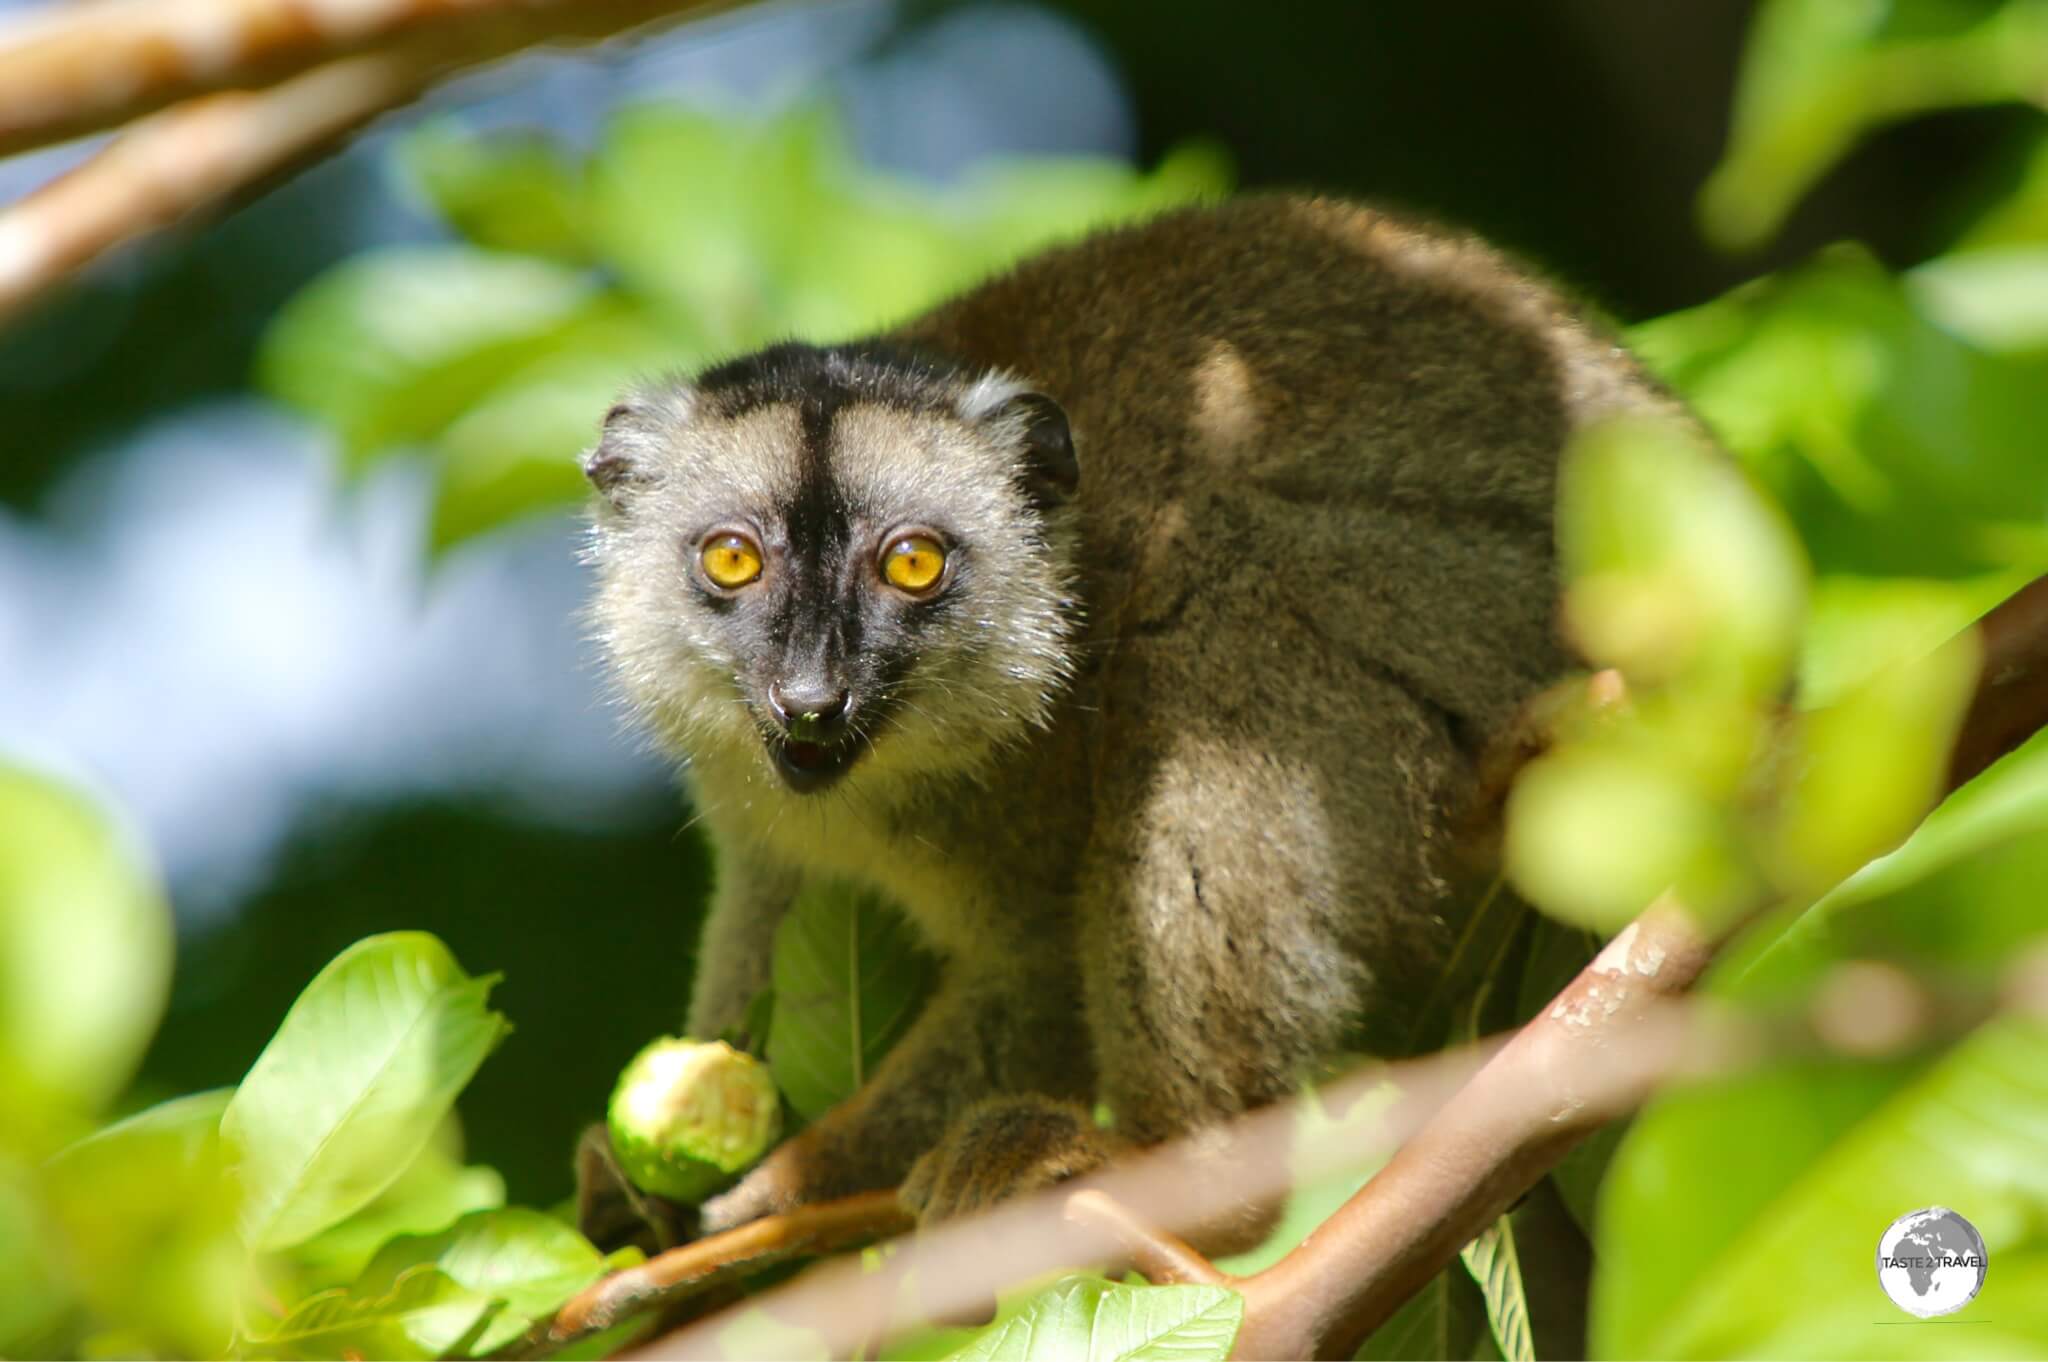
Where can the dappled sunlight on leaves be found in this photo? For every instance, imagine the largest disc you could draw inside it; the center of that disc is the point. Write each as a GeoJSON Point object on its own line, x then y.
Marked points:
{"type": "Point", "coordinates": [683, 238]}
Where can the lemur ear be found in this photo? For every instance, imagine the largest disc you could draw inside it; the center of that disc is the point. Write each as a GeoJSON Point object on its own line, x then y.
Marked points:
{"type": "Point", "coordinates": [615, 465]}
{"type": "Point", "coordinates": [1051, 470]}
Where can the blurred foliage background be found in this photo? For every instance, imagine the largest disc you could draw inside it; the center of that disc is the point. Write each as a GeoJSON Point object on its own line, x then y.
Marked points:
{"type": "Point", "coordinates": [287, 580]}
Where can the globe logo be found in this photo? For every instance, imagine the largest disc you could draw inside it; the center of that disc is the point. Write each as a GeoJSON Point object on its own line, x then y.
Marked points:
{"type": "Point", "coordinates": [1931, 1262]}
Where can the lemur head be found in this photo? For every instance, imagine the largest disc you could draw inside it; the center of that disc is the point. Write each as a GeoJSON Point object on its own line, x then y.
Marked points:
{"type": "Point", "coordinates": [844, 562]}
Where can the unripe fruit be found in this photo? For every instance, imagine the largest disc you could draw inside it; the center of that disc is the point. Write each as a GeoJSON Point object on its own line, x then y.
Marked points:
{"type": "Point", "coordinates": [689, 1116]}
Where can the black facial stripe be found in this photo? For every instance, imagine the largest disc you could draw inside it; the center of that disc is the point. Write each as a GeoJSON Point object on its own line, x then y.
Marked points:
{"type": "Point", "coordinates": [817, 530]}
{"type": "Point", "coordinates": [845, 645]}
{"type": "Point", "coordinates": [832, 628]}
{"type": "Point", "coordinates": [881, 372]}
{"type": "Point", "coordinates": [816, 519]}
{"type": "Point", "coordinates": [816, 523]}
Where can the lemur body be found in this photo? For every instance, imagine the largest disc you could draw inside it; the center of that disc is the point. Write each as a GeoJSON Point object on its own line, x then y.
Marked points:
{"type": "Point", "coordinates": [1136, 620]}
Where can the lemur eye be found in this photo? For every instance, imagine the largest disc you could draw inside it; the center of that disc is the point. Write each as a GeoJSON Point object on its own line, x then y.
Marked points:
{"type": "Point", "coordinates": [913, 562]}
{"type": "Point", "coordinates": [731, 560]}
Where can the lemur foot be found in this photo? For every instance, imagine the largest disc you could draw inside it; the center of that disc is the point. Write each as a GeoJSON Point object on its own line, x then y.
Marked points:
{"type": "Point", "coordinates": [1005, 1147]}
{"type": "Point", "coordinates": [612, 1213]}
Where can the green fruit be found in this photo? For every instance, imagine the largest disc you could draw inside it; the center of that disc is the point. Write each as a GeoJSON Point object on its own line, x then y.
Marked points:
{"type": "Point", "coordinates": [689, 1116]}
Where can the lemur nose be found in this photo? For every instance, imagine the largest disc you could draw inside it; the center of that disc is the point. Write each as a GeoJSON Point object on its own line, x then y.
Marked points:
{"type": "Point", "coordinates": [807, 705]}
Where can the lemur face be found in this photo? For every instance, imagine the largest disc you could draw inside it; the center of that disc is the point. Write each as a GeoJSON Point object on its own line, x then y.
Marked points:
{"type": "Point", "coordinates": [838, 561]}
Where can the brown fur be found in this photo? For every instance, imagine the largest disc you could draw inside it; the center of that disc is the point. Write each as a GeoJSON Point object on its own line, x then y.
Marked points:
{"type": "Point", "coordinates": [1202, 840]}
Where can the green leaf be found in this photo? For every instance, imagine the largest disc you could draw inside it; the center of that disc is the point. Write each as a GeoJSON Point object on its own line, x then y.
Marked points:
{"type": "Point", "coordinates": [425, 1314]}
{"type": "Point", "coordinates": [752, 1030]}
{"type": "Point", "coordinates": [612, 1342]}
{"type": "Point", "coordinates": [712, 234]}
{"type": "Point", "coordinates": [1894, 445]}
{"type": "Point", "coordinates": [32, 1301]}
{"type": "Point", "coordinates": [1960, 901]}
{"type": "Point", "coordinates": [509, 191]}
{"type": "Point", "coordinates": [1995, 298]}
{"type": "Point", "coordinates": [1445, 1320]}
{"type": "Point", "coordinates": [1593, 836]}
{"type": "Point", "coordinates": [1087, 1318]}
{"type": "Point", "coordinates": [390, 346]}
{"type": "Point", "coordinates": [1496, 1267]}
{"type": "Point", "coordinates": [699, 214]}
{"type": "Point", "coordinates": [1870, 766]}
{"type": "Point", "coordinates": [1961, 898]}
{"type": "Point", "coordinates": [365, 1065]}
{"type": "Point", "coordinates": [433, 1192]}
{"type": "Point", "coordinates": [1694, 1158]}
{"type": "Point", "coordinates": [1795, 112]}
{"type": "Point", "coordinates": [142, 1218]}
{"type": "Point", "coordinates": [1677, 566]}
{"type": "Point", "coordinates": [514, 451]}
{"type": "Point", "coordinates": [1859, 626]}
{"type": "Point", "coordinates": [849, 978]}
{"type": "Point", "coordinates": [744, 231]}
{"type": "Point", "coordinates": [1026, 204]}
{"type": "Point", "coordinates": [1820, 74]}
{"type": "Point", "coordinates": [1557, 953]}
{"type": "Point", "coordinates": [1742, 1219]}
{"type": "Point", "coordinates": [756, 1332]}
{"type": "Point", "coordinates": [883, 257]}
{"type": "Point", "coordinates": [85, 960]}
{"type": "Point", "coordinates": [529, 1263]}
{"type": "Point", "coordinates": [2020, 216]}
{"type": "Point", "coordinates": [1485, 934]}
{"type": "Point", "coordinates": [1583, 1170]}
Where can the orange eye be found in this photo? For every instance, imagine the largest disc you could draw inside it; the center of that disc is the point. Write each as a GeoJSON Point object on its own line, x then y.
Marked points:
{"type": "Point", "coordinates": [913, 563]}
{"type": "Point", "coordinates": [731, 560]}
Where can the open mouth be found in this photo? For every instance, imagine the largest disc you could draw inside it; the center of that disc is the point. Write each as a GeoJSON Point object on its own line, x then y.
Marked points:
{"type": "Point", "coordinates": [807, 766]}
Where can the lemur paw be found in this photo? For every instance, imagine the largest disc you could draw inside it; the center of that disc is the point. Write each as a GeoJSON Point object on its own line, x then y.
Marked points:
{"type": "Point", "coordinates": [1005, 1147]}
{"type": "Point", "coordinates": [792, 1175]}
{"type": "Point", "coordinates": [612, 1213]}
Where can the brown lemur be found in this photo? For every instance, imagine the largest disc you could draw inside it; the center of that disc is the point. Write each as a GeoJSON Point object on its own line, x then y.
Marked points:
{"type": "Point", "coordinates": [1135, 620]}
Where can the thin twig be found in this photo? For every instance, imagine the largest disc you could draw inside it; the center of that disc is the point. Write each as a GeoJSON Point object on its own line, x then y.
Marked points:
{"type": "Point", "coordinates": [1157, 1254]}
{"type": "Point", "coordinates": [694, 1269]}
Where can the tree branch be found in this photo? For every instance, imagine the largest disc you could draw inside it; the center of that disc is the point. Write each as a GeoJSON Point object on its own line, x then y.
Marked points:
{"type": "Point", "coordinates": [1559, 1079]}
{"type": "Point", "coordinates": [87, 66]}
{"type": "Point", "coordinates": [2011, 699]}
{"type": "Point", "coordinates": [183, 162]}
{"type": "Point", "coordinates": [84, 68]}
